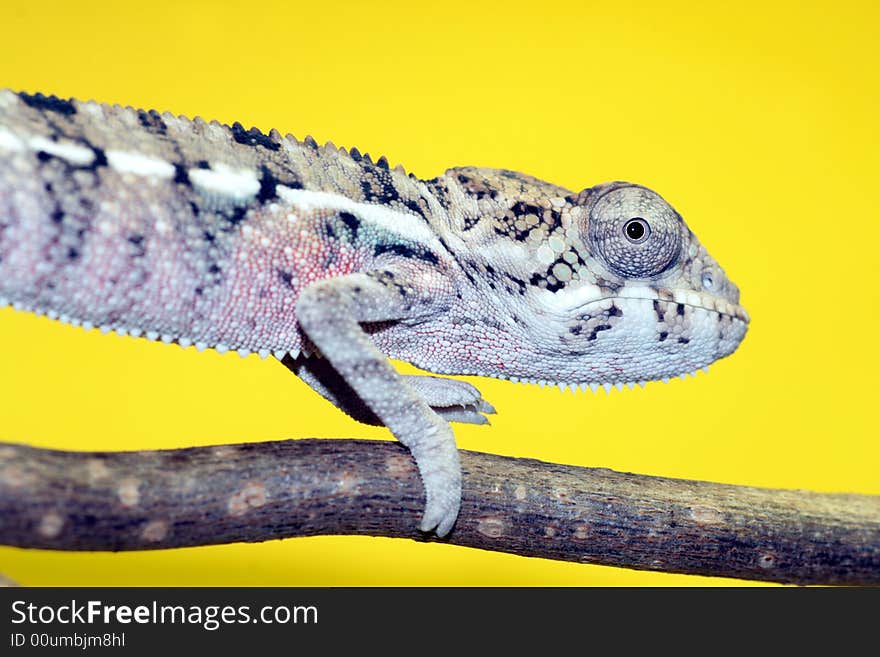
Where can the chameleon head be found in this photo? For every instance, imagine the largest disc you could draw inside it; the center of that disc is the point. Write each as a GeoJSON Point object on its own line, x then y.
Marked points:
{"type": "Point", "coordinates": [644, 300]}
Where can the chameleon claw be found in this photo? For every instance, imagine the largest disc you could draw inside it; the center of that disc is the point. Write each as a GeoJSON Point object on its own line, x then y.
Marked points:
{"type": "Point", "coordinates": [464, 415]}
{"type": "Point", "coordinates": [438, 519]}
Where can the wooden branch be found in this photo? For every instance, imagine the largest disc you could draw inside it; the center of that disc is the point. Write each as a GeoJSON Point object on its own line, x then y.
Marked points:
{"type": "Point", "coordinates": [261, 491]}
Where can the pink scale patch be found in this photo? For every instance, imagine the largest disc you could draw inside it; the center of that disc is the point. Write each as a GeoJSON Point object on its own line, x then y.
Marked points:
{"type": "Point", "coordinates": [274, 260]}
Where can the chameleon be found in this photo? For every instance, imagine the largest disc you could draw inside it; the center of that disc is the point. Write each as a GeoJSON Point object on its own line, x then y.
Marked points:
{"type": "Point", "coordinates": [207, 235]}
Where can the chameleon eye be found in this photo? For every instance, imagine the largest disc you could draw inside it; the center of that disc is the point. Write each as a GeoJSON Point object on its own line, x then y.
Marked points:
{"type": "Point", "coordinates": [637, 230]}
{"type": "Point", "coordinates": [634, 232]}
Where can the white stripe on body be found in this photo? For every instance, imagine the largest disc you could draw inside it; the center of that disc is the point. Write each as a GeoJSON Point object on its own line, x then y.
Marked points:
{"type": "Point", "coordinates": [73, 153]}
{"type": "Point", "coordinates": [139, 164]}
{"type": "Point", "coordinates": [239, 184]}
{"type": "Point", "coordinates": [403, 224]}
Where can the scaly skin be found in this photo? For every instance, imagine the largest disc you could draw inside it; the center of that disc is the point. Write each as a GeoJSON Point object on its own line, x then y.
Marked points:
{"type": "Point", "coordinates": [201, 234]}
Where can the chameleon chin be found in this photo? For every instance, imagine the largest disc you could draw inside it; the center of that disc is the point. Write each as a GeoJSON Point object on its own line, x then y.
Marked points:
{"type": "Point", "coordinates": [202, 234]}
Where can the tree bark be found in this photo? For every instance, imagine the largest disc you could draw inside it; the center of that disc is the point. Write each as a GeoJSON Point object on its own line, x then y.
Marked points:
{"type": "Point", "coordinates": [260, 491]}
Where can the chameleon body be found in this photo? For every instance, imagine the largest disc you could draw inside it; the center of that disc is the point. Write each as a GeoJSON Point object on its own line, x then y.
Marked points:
{"type": "Point", "coordinates": [202, 234]}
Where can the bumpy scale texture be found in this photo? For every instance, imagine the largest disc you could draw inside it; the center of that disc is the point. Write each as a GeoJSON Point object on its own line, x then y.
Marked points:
{"type": "Point", "coordinates": [202, 234]}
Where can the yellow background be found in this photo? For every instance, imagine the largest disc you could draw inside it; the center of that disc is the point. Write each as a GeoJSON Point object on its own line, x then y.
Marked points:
{"type": "Point", "coordinates": [757, 120]}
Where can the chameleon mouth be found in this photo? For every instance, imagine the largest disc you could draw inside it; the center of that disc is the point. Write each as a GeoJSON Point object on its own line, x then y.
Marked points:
{"type": "Point", "coordinates": [586, 295]}
{"type": "Point", "coordinates": [722, 307]}
{"type": "Point", "coordinates": [698, 300]}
